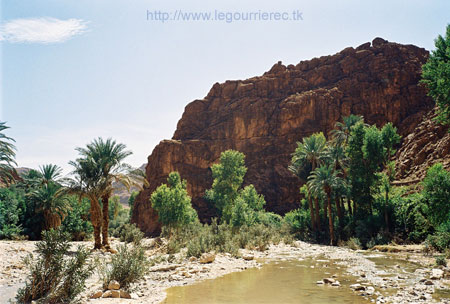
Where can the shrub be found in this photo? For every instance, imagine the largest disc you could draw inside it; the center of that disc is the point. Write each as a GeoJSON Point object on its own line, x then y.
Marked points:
{"type": "Point", "coordinates": [54, 277]}
{"type": "Point", "coordinates": [353, 243]}
{"type": "Point", "coordinates": [128, 266]}
{"type": "Point", "coordinates": [441, 261]}
{"type": "Point", "coordinates": [10, 212]}
{"type": "Point", "coordinates": [440, 240]}
{"type": "Point", "coordinates": [436, 193]}
{"type": "Point", "coordinates": [77, 223]}
{"type": "Point", "coordinates": [130, 233]}
{"type": "Point", "coordinates": [173, 203]}
{"type": "Point", "coordinates": [298, 222]}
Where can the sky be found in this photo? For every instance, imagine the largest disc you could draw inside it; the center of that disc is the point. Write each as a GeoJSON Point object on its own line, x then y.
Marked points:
{"type": "Point", "coordinates": [74, 70]}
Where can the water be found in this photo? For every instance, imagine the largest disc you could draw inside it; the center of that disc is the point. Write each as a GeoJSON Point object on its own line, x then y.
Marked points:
{"type": "Point", "coordinates": [290, 281]}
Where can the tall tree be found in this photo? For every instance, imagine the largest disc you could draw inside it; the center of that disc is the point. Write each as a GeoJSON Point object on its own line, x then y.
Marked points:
{"type": "Point", "coordinates": [228, 178]}
{"type": "Point", "coordinates": [88, 182]}
{"type": "Point", "coordinates": [325, 179]}
{"type": "Point", "coordinates": [309, 154]}
{"type": "Point", "coordinates": [436, 76]}
{"type": "Point", "coordinates": [7, 156]}
{"type": "Point", "coordinates": [108, 156]}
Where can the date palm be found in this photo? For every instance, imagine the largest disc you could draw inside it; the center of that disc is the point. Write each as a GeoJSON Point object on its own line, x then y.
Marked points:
{"type": "Point", "coordinates": [7, 156]}
{"type": "Point", "coordinates": [309, 154]}
{"type": "Point", "coordinates": [325, 179]}
{"type": "Point", "coordinates": [88, 183]}
{"type": "Point", "coordinates": [342, 130]}
{"type": "Point", "coordinates": [108, 157]}
{"type": "Point", "coordinates": [49, 195]}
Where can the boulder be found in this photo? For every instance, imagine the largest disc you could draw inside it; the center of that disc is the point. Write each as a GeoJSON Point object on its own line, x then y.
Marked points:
{"type": "Point", "coordinates": [207, 258]}
{"type": "Point", "coordinates": [113, 285]}
{"type": "Point", "coordinates": [124, 294]}
{"type": "Point", "coordinates": [96, 294]}
{"type": "Point", "coordinates": [357, 287]}
{"type": "Point", "coordinates": [436, 274]}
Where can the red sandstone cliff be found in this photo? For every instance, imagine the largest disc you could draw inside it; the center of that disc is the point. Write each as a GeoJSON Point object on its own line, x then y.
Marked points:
{"type": "Point", "coordinates": [265, 116]}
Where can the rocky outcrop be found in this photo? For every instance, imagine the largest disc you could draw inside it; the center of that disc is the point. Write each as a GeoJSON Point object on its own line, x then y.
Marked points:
{"type": "Point", "coordinates": [426, 145]}
{"type": "Point", "coordinates": [265, 116]}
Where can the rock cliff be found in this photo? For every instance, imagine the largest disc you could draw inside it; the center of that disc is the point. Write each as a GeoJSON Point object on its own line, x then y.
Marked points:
{"type": "Point", "coordinates": [265, 116]}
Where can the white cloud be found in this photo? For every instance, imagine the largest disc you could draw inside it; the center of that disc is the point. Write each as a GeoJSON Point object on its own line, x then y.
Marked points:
{"type": "Point", "coordinates": [41, 30]}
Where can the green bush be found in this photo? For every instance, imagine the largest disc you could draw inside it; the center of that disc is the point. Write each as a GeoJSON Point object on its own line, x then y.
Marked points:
{"type": "Point", "coordinates": [436, 193]}
{"type": "Point", "coordinates": [127, 267]}
{"type": "Point", "coordinates": [77, 223]}
{"type": "Point", "coordinates": [441, 261]}
{"type": "Point", "coordinates": [298, 222]}
{"type": "Point", "coordinates": [440, 240]}
{"type": "Point", "coordinates": [173, 203]}
{"type": "Point", "coordinates": [130, 233]}
{"type": "Point", "coordinates": [56, 276]}
{"type": "Point", "coordinates": [10, 212]}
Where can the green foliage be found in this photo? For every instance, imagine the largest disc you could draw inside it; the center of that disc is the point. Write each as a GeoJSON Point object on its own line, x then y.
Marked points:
{"type": "Point", "coordinates": [437, 193]}
{"type": "Point", "coordinates": [436, 76]}
{"type": "Point", "coordinates": [308, 155]}
{"type": "Point", "coordinates": [440, 240]}
{"type": "Point", "coordinates": [247, 209]}
{"type": "Point", "coordinates": [131, 200]}
{"type": "Point", "coordinates": [118, 216]}
{"type": "Point", "coordinates": [441, 261]}
{"type": "Point", "coordinates": [130, 233]}
{"type": "Point", "coordinates": [7, 156]}
{"type": "Point", "coordinates": [55, 275]}
{"type": "Point", "coordinates": [11, 201]}
{"type": "Point", "coordinates": [298, 222]}
{"type": "Point", "coordinates": [173, 203]}
{"type": "Point", "coordinates": [127, 267]}
{"type": "Point", "coordinates": [228, 177]}
{"type": "Point", "coordinates": [77, 223]}
{"type": "Point", "coordinates": [390, 139]}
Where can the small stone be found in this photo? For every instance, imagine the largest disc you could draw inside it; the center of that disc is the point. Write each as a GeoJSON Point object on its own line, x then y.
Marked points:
{"type": "Point", "coordinates": [113, 285]}
{"type": "Point", "coordinates": [319, 282]}
{"type": "Point", "coordinates": [436, 274]}
{"type": "Point", "coordinates": [207, 258]}
{"type": "Point", "coordinates": [336, 284]}
{"type": "Point", "coordinates": [124, 294]}
{"type": "Point", "coordinates": [115, 294]}
{"type": "Point", "coordinates": [329, 280]}
{"type": "Point", "coordinates": [192, 259]}
{"type": "Point", "coordinates": [370, 290]}
{"type": "Point", "coordinates": [107, 294]}
{"type": "Point", "coordinates": [247, 257]}
{"type": "Point", "coordinates": [428, 283]}
{"type": "Point", "coordinates": [97, 294]}
{"type": "Point", "coordinates": [357, 287]}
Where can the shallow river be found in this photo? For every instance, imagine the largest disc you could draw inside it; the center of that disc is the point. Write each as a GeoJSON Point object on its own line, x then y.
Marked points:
{"type": "Point", "coordinates": [290, 281]}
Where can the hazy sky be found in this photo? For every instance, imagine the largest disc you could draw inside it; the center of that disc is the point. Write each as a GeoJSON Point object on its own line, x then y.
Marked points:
{"type": "Point", "coordinates": [75, 70]}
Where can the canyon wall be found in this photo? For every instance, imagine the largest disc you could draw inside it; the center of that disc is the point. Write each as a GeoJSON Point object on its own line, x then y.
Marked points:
{"type": "Point", "coordinates": [265, 116]}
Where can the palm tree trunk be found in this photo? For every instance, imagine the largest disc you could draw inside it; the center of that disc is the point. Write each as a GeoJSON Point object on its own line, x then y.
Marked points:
{"type": "Point", "coordinates": [330, 220]}
{"type": "Point", "coordinates": [386, 215]}
{"type": "Point", "coordinates": [316, 210]}
{"type": "Point", "coordinates": [349, 204]}
{"type": "Point", "coordinates": [105, 222]}
{"type": "Point", "coordinates": [96, 219]}
{"type": "Point", "coordinates": [311, 209]}
{"type": "Point", "coordinates": [339, 211]}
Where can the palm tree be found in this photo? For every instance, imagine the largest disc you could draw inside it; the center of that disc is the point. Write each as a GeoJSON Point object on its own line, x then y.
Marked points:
{"type": "Point", "coordinates": [108, 157]}
{"type": "Point", "coordinates": [49, 195]}
{"type": "Point", "coordinates": [88, 183]}
{"type": "Point", "coordinates": [342, 130]}
{"type": "Point", "coordinates": [325, 179]}
{"type": "Point", "coordinates": [336, 157]}
{"type": "Point", "coordinates": [7, 156]}
{"type": "Point", "coordinates": [308, 155]}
